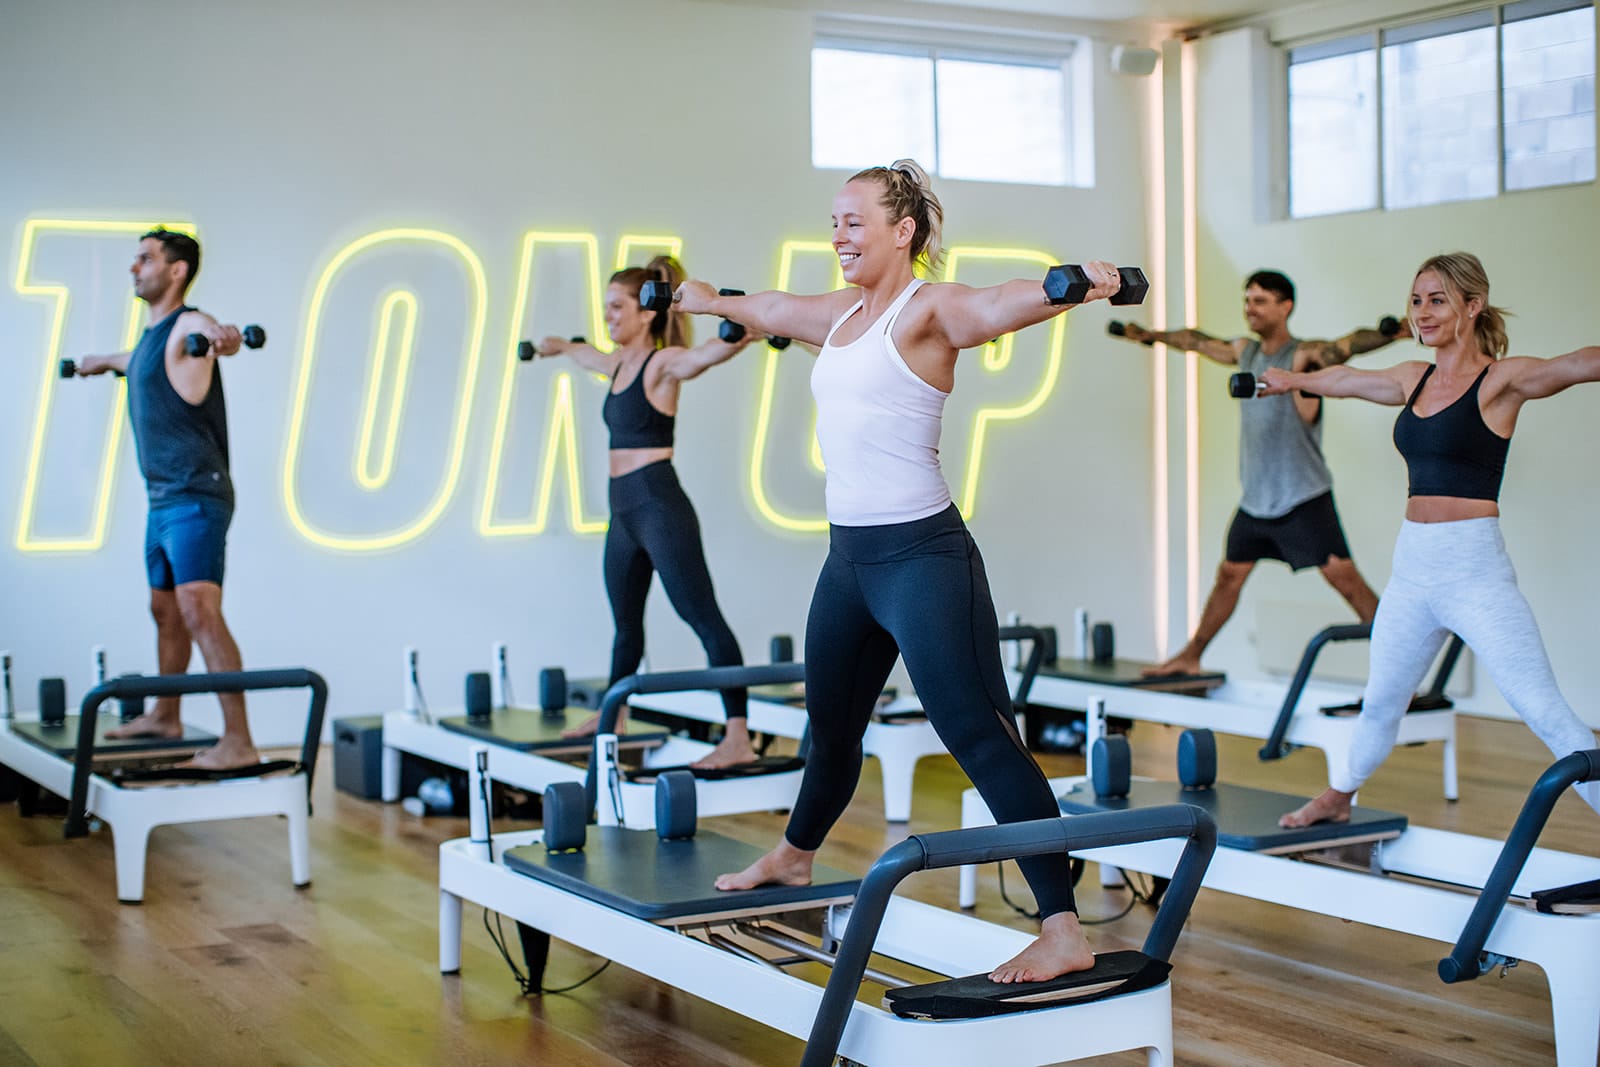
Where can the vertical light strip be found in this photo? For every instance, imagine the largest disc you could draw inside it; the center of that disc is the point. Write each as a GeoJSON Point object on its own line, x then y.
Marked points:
{"type": "Point", "coordinates": [402, 305]}
{"type": "Point", "coordinates": [1191, 313]}
{"type": "Point", "coordinates": [31, 229]}
{"type": "Point", "coordinates": [1156, 138]}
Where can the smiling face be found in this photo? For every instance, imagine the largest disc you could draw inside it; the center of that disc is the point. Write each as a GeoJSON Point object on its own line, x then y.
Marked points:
{"type": "Point", "coordinates": [1264, 310]}
{"type": "Point", "coordinates": [867, 243]}
{"type": "Point", "coordinates": [626, 321]}
{"type": "Point", "coordinates": [1438, 315]}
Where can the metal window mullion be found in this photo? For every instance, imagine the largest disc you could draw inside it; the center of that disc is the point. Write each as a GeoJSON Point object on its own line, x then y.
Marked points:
{"type": "Point", "coordinates": [1500, 101]}
{"type": "Point", "coordinates": [1377, 55]}
{"type": "Point", "coordinates": [938, 162]}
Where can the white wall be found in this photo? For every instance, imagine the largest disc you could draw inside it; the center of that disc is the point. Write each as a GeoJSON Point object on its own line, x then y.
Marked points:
{"type": "Point", "coordinates": [1350, 270]}
{"type": "Point", "coordinates": [287, 131]}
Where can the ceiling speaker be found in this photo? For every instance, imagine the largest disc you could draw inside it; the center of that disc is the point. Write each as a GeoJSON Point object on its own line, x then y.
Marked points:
{"type": "Point", "coordinates": [1131, 59]}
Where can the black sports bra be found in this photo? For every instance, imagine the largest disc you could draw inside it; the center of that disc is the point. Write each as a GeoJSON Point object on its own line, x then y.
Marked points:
{"type": "Point", "coordinates": [634, 422]}
{"type": "Point", "coordinates": [1452, 452]}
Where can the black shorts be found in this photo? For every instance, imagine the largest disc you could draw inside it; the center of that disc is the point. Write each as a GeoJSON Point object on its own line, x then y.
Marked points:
{"type": "Point", "coordinates": [1305, 537]}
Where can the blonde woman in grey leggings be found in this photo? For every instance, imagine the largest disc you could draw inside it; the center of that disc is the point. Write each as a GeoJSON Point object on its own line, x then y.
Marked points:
{"type": "Point", "coordinates": [1451, 572]}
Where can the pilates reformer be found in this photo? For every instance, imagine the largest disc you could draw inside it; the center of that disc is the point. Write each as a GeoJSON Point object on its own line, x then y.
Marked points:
{"type": "Point", "coordinates": [645, 900]}
{"type": "Point", "coordinates": [531, 753]}
{"type": "Point", "coordinates": [898, 735]}
{"type": "Point", "coordinates": [1305, 715]}
{"type": "Point", "coordinates": [119, 782]}
{"type": "Point", "coordinates": [1496, 902]}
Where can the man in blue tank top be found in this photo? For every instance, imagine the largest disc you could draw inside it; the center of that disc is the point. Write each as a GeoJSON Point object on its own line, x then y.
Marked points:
{"type": "Point", "coordinates": [1286, 511]}
{"type": "Point", "coordinates": [180, 431]}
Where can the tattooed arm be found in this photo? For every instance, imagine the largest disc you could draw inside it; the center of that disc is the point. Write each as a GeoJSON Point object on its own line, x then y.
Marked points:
{"type": "Point", "coordinates": [1314, 355]}
{"type": "Point", "coordinates": [1226, 352]}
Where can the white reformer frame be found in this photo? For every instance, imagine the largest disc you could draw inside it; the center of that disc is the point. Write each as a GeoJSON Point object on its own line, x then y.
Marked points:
{"type": "Point", "coordinates": [411, 730]}
{"type": "Point", "coordinates": [1565, 947]}
{"type": "Point", "coordinates": [132, 813]}
{"type": "Point", "coordinates": [471, 871]}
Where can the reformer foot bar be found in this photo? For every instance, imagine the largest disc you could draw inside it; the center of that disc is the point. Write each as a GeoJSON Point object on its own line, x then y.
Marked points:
{"type": "Point", "coordinates": [533, 755]}
{"type": "Point", "coordinates": [44, 758]}
{"type": "Point", "coordinates": [1284, 718]}
{"type": "Point", "coordinates": [549, 891]}
{"type": "Point", "coordinates": [897, 736]}
{"type": "Point", "coordinates": [1478, 894]}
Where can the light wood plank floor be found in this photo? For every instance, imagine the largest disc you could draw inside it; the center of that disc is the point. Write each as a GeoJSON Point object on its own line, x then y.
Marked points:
{"type": "Point", "coordinates": [225, 962]}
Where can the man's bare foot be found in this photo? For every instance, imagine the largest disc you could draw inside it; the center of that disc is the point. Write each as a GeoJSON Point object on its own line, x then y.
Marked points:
{"type": "Point", "coordinates": [590, 726]}
{"type": "Point", "coordinates": [1060, 949]}
{"type": "Point", "coordinates": [1330, 806]}
{"type": "Point", "coordinates": [784, 865]}
{"type": "Point", "coordinates": [149, 724]}
{"type": "Point", "coordinates": [734, 748]}
{"type": "Point", "coordinates": [225, 755]}
{"type": "Point", "coordinates": [1182, 663]}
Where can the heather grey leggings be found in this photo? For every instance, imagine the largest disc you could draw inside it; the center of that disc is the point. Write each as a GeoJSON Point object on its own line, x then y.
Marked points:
{"type": "Point", "coordinates": [1456, 577]}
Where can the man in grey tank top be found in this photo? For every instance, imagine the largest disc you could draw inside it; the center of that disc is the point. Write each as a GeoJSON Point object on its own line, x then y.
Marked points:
{"type": "Point", "coordinates": [1286, 511]}
{"type": "Point", "coordinates": [180, 431]}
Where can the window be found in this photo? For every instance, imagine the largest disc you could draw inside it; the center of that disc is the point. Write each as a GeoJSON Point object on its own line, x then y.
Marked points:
{"type": "Point", "coordinates": [1471, 105]}
{"type": "Point", "coordinates": [1001, 116]}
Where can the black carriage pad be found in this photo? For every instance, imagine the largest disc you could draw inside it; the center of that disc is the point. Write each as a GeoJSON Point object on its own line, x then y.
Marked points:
{"type": "Point", "coordinates": [638, 874]}
{"type": "Point", "coordinates": [174, 773]}
{"type": "Point", "coordinates": [63, 739]}
{"type": "Point", "coordinates": [1128, 673]}
{"type": "Point", "coordinates": [531, 730]}
{"type": "Point", "coordinates": [1247, 819]}
{"type": "Point", "coordinates": [756, 768]}
{"type": "Point", "coordinates": [1113, 974]}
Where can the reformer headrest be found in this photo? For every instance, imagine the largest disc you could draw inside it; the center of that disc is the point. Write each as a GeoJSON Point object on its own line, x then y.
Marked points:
{"type": "Point", "coordinates": [676, 809]}
{"type": "Point", "coordinates": [566, 816]}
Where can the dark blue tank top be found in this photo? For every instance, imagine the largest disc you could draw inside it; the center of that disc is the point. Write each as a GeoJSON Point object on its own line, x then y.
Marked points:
{"type": "Point", "coordinates": [1452, 452]}
{"type": "Point", "coordinates": [183, 447]}
{"type": "Point", "coordinates": [634, 422]}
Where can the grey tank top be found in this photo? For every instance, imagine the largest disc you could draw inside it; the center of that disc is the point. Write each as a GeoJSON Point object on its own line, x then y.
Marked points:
{"type": "Point", "coordinates": [183, 447]}
{"type": "Point", "coordinates": [1280, 454]}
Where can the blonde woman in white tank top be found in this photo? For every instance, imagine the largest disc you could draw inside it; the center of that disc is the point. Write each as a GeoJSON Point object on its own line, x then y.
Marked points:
{"type": "Point", "coordinates": [903, 577]}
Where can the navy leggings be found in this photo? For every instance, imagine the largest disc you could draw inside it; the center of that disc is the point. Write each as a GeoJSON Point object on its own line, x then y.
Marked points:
{"type": "Point", "coordinates": [654, 530]}
{"type": "Point", "coordinates": [918, 590]}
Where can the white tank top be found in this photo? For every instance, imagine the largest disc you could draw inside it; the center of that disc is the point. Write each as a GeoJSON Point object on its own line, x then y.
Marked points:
{"type": "Point", "coordinates": [878, 425]}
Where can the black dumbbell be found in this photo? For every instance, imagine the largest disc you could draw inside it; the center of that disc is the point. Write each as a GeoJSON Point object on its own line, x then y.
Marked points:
{"type": "Point", "coordinates": [69, 369]}
{"type": "Point", "coordinates": [1389, 326]}
{"type": "Point", "coordinates": [198, 344]}
{"type": "Point", "coordinates": [655, 296]}
{"type": "Point", "coordinates": [527, 350]}
{"type": "Point", "coordinates": [1067, 283]}
{"type": "Point", "coordinates": [1120, 329]}
{"type": "Point", "coordinates": [1243, 386]}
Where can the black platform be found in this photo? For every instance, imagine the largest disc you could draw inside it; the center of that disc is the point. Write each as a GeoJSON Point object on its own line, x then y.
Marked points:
{"type": "Point", "coordinates": [757, 768]}
{"type": "Point", "coordinates": [1247, 819]}
{"type": "Point", "coordinates": [1129, 674]}
{"type": "Point", "coordinates": [641, 875]}
{"type": "Point", "coordinates": [975, 996]}
{"type": "Point", "coordinates": [531, 730]}
{"type": "Point", "coordinates": [63, 739]}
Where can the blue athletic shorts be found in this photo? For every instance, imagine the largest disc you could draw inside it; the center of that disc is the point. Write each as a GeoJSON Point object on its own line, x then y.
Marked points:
{"type": "Point", "coordinates": [184, 541]}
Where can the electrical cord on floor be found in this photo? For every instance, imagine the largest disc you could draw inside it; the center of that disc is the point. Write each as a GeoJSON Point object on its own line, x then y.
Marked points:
{"type": "Point", "coordinates": [1136, 895]}
{"type": "Point", "coordinates": [525, 983]}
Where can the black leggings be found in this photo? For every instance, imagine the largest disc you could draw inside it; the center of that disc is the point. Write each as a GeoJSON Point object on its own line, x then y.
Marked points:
{"type": "Point", "coordinates": [918, 590]}
{"type": "Point", "coordinates": [654, 529]}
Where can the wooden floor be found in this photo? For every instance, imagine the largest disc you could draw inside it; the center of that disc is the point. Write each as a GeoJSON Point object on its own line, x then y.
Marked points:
{"type": "Point", "coordinates": [225, 962]}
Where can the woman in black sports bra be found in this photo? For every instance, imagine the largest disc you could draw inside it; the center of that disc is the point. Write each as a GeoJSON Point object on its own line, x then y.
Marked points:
{"type": "Point", "coordinates": [653, 528]}
{"type": "Point", "coordinates": [1451, 572]}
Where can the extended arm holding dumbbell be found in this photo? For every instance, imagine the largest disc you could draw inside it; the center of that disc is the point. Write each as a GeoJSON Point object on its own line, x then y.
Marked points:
{"type": "Point", "coordinates": [969, 317]}
{"type": "Point", "coordinates": [89, 366]}
{"type": "Point", "coordinates": [1189, 340]}
{"type": "Point", "coordinates": [1390, 385]}
{"type": "Point", "coordinates": [577, 349]}
{"type": "Point", "coordinates": [1312, 355]}
{"type": "Point", "coordinates": [775, 314]}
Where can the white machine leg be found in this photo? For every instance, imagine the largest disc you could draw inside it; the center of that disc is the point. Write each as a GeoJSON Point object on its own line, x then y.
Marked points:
{"type": "Point", "coordinates": [1451, 792]}
{"type": "Point", "coordinates": [449, 933]}
{"type": "Point", "coordinates": [1159, 1054]}
{"type": "Point", "coordinates": [390, 788]}
{"type": "Point", "coordinates": [478, 789]}
{"type": "Point", "coordinates": [299, 820]}
{"type": "Point", "coordinates": [897, 769]}
{"type": "Point", "coordinates": [129, 843]}
{"type": "Point", "coordinates": [1573, 1008]}
{"type": "Point", "coordinates": [1094, 728]}
{"type": "Point", "coordinates": [974, 812]}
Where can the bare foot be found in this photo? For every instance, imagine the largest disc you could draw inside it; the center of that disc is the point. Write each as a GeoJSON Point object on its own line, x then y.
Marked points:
{"type": "Point", "coordinates": [225, 755]}
{"type": "Point", "coordinates": [1060, 949]}
{"type": "Point", "coordinates": [734, 748]}
{"type": "Point", "coordinates": [1182, 663]}
{"type": "Point", "coordinates": [590, 726]}
{"type": "Point", "coordinates": [150, 724]}
{"type": "Point", "coordinates": [1330, 806]}
{"type": "Point", "coordinates": [784, 865]}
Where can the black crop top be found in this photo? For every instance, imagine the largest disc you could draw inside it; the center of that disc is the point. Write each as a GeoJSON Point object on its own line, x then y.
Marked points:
{"type": "Point", "coordinates": [634, 422]}
{"type": "Point", "coordinates": [1452, 452]}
